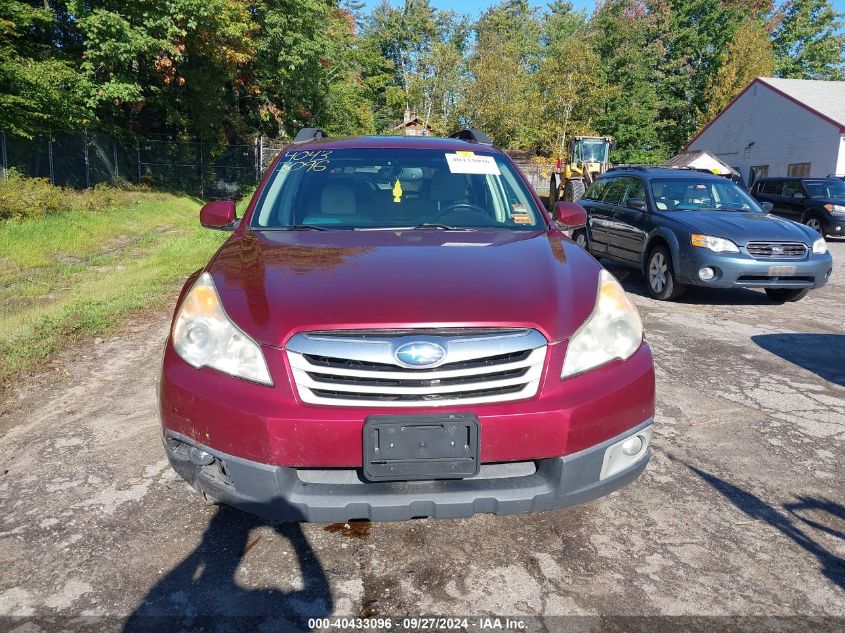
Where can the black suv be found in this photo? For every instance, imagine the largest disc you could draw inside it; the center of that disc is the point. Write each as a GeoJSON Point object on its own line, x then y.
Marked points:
{"type": "Point", "coordinates": [817, 202]}
{"type": "Point", "coordinates": [682, 227]}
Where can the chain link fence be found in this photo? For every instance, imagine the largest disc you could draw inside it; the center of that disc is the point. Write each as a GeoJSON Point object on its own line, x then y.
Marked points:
{"type": "Point", "coordinates": [87, 158]}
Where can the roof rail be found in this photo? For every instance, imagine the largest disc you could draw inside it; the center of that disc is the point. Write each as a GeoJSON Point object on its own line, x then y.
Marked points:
{"type": "Point", "coordinates": [637, 167]}
{"type": "Point", "coordinates": [309, 134]}
{"type": "Point", "coordinates": [474, 136]}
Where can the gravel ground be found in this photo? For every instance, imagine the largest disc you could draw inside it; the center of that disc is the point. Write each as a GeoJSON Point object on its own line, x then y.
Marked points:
{"type": "Point", "coordinates": [740, 513]}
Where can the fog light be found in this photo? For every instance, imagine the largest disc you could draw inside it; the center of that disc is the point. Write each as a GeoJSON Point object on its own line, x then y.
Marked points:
{"type": "Point", "coordinates": [625, 453]}
{"type": "Point", "coordinates": [706, 273]}
{"type": "Point", "coordinates": [632, 445]}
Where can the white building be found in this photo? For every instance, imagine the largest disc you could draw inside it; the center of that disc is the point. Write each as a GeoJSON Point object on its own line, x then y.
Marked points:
{"type": "Point", "coordinates": [780, 127]}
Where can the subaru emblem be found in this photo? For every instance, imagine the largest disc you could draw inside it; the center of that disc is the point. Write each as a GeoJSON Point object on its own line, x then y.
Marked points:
{"type": "Point", "coordinates": [419, 354]}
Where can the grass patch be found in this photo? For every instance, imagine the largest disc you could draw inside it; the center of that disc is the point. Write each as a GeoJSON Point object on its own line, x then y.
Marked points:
{"type": "Point", "coordinates": [71, 275]}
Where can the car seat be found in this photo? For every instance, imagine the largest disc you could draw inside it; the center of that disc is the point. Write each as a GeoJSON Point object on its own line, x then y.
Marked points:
{"type": "Point", "coordinates": [447, 189]}
{"type": "Point", "coordinates": [338, 206]}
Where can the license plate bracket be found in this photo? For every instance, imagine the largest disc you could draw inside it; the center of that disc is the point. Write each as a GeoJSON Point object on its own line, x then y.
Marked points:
{"type": "Point", "coordinates": [782, 271]}
{"type": "Point", "coordinates": [421, 446]}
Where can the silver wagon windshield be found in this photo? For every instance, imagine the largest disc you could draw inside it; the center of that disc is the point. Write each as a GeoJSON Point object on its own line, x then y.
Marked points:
{"type": "Point", "coordinates": [694, 194]}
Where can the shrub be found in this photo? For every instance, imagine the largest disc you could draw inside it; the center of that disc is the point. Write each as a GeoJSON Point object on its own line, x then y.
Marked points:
{"type": "Point", "coordinates": [22, 198]}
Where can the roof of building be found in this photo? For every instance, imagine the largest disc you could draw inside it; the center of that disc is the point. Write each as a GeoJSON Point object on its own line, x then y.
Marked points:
{"type": "Point", "coordinates": [412, 121]}
{"type": "Point", "coordinates": [701, 159]}
{"type": "Point", "coordinates": [825, 99]}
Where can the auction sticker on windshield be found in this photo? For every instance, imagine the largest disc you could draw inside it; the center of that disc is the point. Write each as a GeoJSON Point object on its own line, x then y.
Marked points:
{"type": "Point", "coordinates": [467, 163]}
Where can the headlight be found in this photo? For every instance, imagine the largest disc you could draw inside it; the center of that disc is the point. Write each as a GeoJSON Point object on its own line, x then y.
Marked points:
{"type": "Point", "coordinates": [204, 336]}
{"type": "Point", "coordinates": [715, 244]}
{"type": "Point", "coordinates": [837, 209]}
{"type": "Point", "coordinates": [820, 246]}
{"type": "Point", "coordinates": [614, 330]}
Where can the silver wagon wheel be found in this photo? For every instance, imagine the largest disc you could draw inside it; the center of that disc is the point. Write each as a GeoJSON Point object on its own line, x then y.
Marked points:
{"type": "Point", "coordinates": [815, 224]}
{"type": "Point", "coordinates": [657, 272]}
{"type": "Point", "coordinates": [581, 240]}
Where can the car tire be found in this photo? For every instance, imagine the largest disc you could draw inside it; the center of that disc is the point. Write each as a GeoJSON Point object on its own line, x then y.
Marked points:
{"type": "Point", "coordinates": [580, 238]}
{"type": "Point", "coordinates": [814, 222]}
{"type": "Point", "coordinates": [660, 276]}
{"type": "Point", "coordinates": [786, 295]}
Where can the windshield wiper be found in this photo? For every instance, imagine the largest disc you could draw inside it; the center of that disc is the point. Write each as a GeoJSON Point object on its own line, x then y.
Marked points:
{"type": "Point", "coordinates": [424, 225]}
{"type": "Point", "coordinates": [441, 227]}
{"type": "Point", "coordinates": [305, 227]}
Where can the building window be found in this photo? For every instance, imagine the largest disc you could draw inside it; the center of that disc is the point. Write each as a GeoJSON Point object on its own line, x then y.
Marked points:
{"type": "Point", "coordinates": [798, 170]}
{"type": "Point", "coordinates": [757, 171]}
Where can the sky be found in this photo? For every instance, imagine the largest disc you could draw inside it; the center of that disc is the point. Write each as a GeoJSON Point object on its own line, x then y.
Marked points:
{"type": "Point", "coordinates": [474, 7]}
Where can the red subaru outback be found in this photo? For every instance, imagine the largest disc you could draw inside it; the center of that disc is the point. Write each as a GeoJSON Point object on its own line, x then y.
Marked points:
{"type": "Point", "coordinates": [396, 329]}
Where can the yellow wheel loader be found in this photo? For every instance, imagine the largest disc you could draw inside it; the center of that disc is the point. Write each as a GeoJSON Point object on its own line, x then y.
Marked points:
{"type": "Point", "coordinates": [587, 160]}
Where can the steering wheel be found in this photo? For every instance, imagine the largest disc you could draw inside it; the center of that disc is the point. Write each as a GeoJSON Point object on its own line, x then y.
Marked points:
{"type": "Point", "coordinates": [462, 206]}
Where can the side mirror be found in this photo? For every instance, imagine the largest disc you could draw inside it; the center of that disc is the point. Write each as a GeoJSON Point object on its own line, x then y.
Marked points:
{"type": "Point", "coordinates": [637, 203]}
{"type": "Point", "coordinates": [218, 214]}
{"type": "Point", "coordinates": [570, 215]}
{"type": "Point", "coordinates": [798, 196]}
{"type": "Point", "coordinates": [767, 206]}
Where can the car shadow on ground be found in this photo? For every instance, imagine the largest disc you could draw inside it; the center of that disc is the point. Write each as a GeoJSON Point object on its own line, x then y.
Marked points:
{"type": "Point", "coordinates": [789, 522]}
{"type": "Point", "coordinates": [635, 283]}
{"type": "Point", "coordinates": [822, 354]}
{"type": "Point", "coordinates": [201, 592]}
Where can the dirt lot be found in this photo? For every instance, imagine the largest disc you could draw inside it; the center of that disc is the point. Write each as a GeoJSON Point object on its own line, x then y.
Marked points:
{"type": "Point", "coordinates": [741, 512]}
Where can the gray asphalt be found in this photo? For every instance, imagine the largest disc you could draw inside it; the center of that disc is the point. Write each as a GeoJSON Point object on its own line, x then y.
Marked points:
{"type": "Point", "coordinates": [741, 512]}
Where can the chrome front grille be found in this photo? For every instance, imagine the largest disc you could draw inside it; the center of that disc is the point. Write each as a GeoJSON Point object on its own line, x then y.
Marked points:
{"type": "Point", "coordinates": [777, 250]}
{"type": "Point", "coordinates": [358, 368]}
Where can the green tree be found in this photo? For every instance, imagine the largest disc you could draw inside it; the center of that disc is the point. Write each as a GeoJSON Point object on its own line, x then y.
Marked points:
{"type": "Point", "coordinates": [809, 43]}
{"type": "Point", "coordinates": [621, 32]}
{"type": "Point", "coordinates": [689, 38]}
{"type": "Point", "coordinates": [437, 90]}
{"type": "Point", "coordinates": [164, 65]}
{"type": "Point", "coordinates": [749, 54]}
{"type": "Point", "coordinates": [503, 97]}
{"type": "Point", "coordinates": [40, 89]}
{"type": "Point", "coordinates": [572, 92]}
{"type": "Point", "coordinates": [405, 36]}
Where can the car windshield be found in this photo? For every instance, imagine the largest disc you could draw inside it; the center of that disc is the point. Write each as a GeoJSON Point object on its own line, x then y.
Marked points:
{"type": "Point", "coordinates": [824, 189]}
{"type": "Point", "coordinates": [695, 194]}
{"type": "Point", "coordinates": [370, 189]}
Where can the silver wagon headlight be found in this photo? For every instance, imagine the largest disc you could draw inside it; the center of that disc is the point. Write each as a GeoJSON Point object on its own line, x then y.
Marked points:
{"type": "Point", "coordinates": [613, 331]}
{"type": "Point", "coordinates": [204, 336]}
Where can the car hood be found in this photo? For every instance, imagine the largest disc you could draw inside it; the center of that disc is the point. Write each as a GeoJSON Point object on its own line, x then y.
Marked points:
{"type": "Point", "coordinates": [275, 283]}
{"type": "Point", "coordinates": [743, 227]}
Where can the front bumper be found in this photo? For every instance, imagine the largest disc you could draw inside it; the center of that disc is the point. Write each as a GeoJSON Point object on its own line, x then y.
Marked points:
{"type": "Point", "coordinates": [740, 270]}
{"type": "Point", "coordinates": [328, 495]}
{"type": "Point", "coordinates": [834, 226]}
{"type": "Point", "coordinates": [272, 425]}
